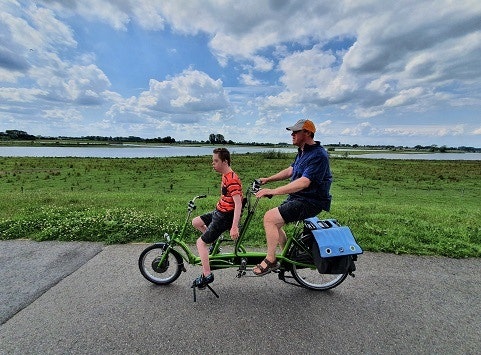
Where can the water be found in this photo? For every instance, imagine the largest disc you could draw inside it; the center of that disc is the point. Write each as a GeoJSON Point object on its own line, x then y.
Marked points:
{"type": "Point", "coordinates": [179, 151]}
{"type": "Point", "coordinates": [127, 151]}
{"type": "Point", "coordinates": [421, 156]}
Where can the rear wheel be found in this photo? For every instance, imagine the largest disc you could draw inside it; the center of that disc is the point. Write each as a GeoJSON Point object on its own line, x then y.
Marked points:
{"type": "Point", "coordinates": [309, 277]}
{"type": "Point", "coordinates": [312, 279]}
{"type": "Point", "coordinates": [157, 271]}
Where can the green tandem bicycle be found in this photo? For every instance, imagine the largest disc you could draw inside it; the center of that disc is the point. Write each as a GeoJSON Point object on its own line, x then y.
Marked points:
{"type": "Point", "coordinates": [318, 255]}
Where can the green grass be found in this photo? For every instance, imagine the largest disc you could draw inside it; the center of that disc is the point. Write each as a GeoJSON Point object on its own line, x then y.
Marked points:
{"type": "Point", "coordinates": [415, 207]}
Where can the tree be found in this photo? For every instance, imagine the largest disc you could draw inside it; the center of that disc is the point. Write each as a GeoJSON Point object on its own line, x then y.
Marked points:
{"type": "Point", "coordinates": [216, 138]}
{"type": "Point", "coordinates": [212, 138]}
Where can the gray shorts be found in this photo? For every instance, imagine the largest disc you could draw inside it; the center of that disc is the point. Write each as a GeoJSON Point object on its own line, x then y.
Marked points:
{"type": "Point", "coordinates": [217, 222]}
{"type": "Point", "coordinates": [293, 210]}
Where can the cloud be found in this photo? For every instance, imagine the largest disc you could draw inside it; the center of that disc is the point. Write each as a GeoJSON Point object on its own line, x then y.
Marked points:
{"type": "Point", "coordinates": [191, 92]}
{"type": "Point", "coordinates": [281, 59]}
{"type": "Point", "coordinates": [67, 115]}
{"type": "Point", "coordinates": [368, 129]}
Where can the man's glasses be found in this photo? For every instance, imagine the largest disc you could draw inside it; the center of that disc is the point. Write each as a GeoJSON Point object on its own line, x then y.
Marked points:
{"type": "Point", "coordinates": [295, 132]}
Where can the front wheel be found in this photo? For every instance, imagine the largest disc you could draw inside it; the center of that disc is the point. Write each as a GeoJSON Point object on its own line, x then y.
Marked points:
{"type": "Point", "coordinates": [309, 277]}
{"type": "Point", "coordinates": [157, 271]}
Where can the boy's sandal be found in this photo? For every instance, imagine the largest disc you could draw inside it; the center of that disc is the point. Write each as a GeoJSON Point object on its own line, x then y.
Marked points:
{"type": "Point", "coordinates": [270, 266]}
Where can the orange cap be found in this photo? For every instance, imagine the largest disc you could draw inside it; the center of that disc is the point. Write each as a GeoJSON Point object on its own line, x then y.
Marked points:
{"type": "Point", "coordinates": [308, 125]}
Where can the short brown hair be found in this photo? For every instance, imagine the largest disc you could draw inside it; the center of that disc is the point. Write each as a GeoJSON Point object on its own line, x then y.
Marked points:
{"type": "Point", "coordinates": [223, 153]}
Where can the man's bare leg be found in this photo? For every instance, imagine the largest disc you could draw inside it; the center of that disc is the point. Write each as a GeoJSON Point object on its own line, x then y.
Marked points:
{"type": "Point", "coordinates": [273, 223]}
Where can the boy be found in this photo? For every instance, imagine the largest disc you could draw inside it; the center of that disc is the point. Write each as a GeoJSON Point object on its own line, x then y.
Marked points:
{"type": "Point", "coordinates": [226, 215]}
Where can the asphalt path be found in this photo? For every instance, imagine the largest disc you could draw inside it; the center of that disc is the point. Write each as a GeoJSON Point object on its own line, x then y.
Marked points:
{"type": "Point", "coordinates": [87, 298]}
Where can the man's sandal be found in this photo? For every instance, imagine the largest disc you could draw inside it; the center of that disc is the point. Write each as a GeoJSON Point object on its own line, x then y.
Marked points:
{"type": "Point", "coordinates": [270, 266]}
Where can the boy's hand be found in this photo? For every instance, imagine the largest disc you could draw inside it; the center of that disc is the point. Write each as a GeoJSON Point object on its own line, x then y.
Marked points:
{"type": "Point", "coordinates": [234, 232]}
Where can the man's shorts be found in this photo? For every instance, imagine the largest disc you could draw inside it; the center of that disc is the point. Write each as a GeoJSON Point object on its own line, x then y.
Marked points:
{"type": "Point", "coordinates": [217, 222]}
{"type": "Point", "coordinates": [293, 210]}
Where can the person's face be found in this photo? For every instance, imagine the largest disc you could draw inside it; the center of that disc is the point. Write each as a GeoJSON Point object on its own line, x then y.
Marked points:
{"type": "Point", "coordinates": [217, 164]}
{"type": "Point", "coordinates": [299, 137]}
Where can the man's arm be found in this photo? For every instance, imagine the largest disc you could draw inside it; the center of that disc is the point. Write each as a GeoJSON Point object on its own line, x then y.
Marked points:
{"type": "Point", "coordinates": [281, 175]}
{"type": "Point", "coordinates": [290, 188]}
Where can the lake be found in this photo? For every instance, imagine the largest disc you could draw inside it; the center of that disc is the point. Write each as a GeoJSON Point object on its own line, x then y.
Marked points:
{"type": "Point", "coordinates": [421, 156]}
{"type": "Point", "coordinates": [127, 151]}
{"type": "Point", "coordinates": [133, 151]}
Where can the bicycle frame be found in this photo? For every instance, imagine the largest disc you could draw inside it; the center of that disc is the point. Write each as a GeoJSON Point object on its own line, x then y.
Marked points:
{"type": "Point", "coordinates": [245, 258]}
{"type": "Point", "coordinates": [163, 262]}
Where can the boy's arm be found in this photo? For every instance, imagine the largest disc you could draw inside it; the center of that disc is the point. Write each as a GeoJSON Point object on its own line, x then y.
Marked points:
{"type": "Point", "coordinates": [234, 231]}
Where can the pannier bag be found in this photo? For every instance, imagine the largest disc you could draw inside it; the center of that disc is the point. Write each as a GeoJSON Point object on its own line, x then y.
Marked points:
{"type": "Point", "coordinates": [334, 247]}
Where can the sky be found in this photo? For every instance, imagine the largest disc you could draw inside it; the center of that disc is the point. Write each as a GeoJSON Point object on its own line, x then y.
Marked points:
{"type": "Point", "coordinates": [367, 72]}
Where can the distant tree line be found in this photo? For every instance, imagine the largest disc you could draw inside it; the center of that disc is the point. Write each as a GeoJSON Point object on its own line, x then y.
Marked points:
{"type": "Point", "coordinates": [13, 134]}
{"type": "Point", "coordinates": [215, 138]}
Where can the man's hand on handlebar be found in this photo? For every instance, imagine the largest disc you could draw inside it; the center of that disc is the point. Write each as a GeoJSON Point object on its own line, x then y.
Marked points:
{"type": "Point", "coordinates": [264, 193]}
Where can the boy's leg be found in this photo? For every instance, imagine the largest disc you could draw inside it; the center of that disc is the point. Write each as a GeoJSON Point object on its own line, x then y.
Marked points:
{"type": "Point", "coordinates": [199, 224]}
{"type": "Point", "coordinates": [202, 249]}
{"type": "Point", "coordinates": [217, 223]}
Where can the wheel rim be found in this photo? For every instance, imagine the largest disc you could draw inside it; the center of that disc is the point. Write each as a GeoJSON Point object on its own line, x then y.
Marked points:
{"type": "Point", "coordinates": [311, 278]}
{"type": "Point", "coordinates": [156, 272]}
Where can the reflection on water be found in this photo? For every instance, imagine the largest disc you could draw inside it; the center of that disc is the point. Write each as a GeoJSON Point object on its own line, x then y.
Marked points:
{"type": "Point", "coordinates": [422, 156]}
{"type": "Point", "coordinates": [179, 151]}
{"type": "Point", "coordinates": [126, 152]}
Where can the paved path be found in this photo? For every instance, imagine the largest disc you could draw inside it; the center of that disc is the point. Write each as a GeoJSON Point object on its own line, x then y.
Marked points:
{"type": "Point", "coordinates": [86, 298]}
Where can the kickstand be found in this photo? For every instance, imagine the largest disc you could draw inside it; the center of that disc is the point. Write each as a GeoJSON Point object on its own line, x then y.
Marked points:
{"type": "Point", "coordinates": [212, 290]}
{"type": "Point", "coordinates": [208, 286]}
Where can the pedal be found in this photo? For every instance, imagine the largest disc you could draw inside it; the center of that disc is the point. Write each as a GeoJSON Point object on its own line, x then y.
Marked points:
{"type": "Point", "coordinates": [241, 271]}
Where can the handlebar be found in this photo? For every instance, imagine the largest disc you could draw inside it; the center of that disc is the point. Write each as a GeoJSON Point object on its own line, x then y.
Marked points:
{"type": "Point", "coordinates": [256, 187]}
{"type": "Point", "coordinates": [191, 205]}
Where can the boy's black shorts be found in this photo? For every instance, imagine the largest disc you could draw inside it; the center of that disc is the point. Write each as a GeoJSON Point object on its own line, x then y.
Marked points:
{"type": "Point", "coordinates": [217, 222]}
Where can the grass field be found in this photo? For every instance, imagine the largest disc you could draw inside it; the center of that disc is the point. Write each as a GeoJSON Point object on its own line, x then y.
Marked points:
{"type": "Point", "coordinates": [415, 207]}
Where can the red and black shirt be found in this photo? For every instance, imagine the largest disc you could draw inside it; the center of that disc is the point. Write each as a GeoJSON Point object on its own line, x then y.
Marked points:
{"type": "Point", "coordinates": [230, 186]}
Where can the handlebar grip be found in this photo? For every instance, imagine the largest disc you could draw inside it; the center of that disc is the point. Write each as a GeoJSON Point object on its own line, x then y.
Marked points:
{"type": "Point", "coordinates": [202, 196]}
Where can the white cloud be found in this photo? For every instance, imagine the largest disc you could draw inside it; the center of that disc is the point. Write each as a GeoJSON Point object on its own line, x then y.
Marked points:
{"type": "Point", "coordinates": [405, 97]}
{"type": "Point", "coordinates": [67, 115]}
{"type": "Point", "coordinates": [368, 129]}
{"type": "Point", "coordinates": [191, 92]}
{"type": "Point", "coordinates": [249, 80]}
{"type": "Point", "coordinates": [343, 60]}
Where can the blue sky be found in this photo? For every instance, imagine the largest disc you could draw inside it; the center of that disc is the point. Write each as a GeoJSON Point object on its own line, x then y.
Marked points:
{"type": "Point", "coordinates": [366, 72]}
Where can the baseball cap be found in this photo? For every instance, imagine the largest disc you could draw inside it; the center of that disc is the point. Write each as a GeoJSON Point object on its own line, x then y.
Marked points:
{"type": "Point", "coordinates": [308, 125]}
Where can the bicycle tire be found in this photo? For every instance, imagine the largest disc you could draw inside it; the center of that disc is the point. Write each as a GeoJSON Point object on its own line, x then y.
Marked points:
{"type": "Point", "coordinates": [160, 273]}
{"type": "Point", "coordinates": [310, 278]}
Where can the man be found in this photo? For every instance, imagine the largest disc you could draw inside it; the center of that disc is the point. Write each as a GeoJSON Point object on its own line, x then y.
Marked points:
{"type": "Point", "coordinates": [226, 215]}
{"type": "Point", "coordinates": [308, 191]}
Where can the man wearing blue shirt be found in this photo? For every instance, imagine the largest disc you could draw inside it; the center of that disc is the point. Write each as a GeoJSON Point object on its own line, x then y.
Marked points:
{"type": "Point", "coordinates": [308, 191]}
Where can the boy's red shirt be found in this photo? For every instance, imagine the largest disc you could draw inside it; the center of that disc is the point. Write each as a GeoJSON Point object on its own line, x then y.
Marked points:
{"type": "Point", "coordinates": [230, 186]}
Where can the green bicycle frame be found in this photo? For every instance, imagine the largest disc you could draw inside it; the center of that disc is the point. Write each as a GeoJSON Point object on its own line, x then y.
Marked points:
{"type": "Point", "coordinates": [232, 259]}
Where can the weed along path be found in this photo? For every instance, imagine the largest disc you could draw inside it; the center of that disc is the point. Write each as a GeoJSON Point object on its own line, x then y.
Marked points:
{"type": "Point", "coordinates": [99, 303]}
